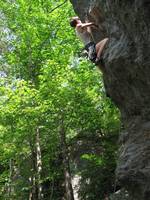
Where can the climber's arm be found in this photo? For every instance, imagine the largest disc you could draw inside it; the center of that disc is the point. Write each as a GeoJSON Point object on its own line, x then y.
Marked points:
{"type": "Point", "coordinates": [89, 24]}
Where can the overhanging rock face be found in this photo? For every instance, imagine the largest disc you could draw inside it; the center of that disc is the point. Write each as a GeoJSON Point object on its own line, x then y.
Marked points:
{"type": "Point", "coordinates": [127, 81]}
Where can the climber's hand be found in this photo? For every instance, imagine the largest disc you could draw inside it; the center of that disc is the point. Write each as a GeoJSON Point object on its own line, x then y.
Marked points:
{"type": "Point", "coordinates": [95, 26]}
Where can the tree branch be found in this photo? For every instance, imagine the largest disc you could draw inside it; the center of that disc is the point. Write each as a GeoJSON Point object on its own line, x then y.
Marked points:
{"type": "Point", "coordinates": [58, 6]}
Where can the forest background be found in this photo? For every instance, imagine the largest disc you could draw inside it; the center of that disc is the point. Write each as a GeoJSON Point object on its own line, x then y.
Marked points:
{"type": "Point", "coordinates": [56, 123]}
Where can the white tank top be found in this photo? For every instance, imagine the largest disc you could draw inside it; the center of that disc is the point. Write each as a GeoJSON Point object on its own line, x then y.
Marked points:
{"type": "Point", "coordinates": [84, 36]}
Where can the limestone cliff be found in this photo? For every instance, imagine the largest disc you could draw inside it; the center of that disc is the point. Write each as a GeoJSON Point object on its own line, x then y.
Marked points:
{"type": "Point", "coordinates": [127, 81]}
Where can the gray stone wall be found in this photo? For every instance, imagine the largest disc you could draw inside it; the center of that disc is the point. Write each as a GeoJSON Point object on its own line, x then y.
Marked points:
{"type": "Point", "coordinates": [127, 81]}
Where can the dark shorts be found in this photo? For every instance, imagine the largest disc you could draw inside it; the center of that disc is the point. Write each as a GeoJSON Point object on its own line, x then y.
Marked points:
{"type": "Point", "coordinates": [91, 49]}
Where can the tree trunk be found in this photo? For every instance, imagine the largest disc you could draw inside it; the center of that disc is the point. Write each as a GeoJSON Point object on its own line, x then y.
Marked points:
{"type": "Point", "coordinates": [36, 167]}
{"type": "Point", "coordinates": [67, 173]}
{"type": "Point", "coordinates": [32, 180]}
{"type": "Point", "coordinates": [10, 188]}
{"type": "Point", "coordinates": [13, 176]}
{"type": "Point", "coordinates": [38, 164]}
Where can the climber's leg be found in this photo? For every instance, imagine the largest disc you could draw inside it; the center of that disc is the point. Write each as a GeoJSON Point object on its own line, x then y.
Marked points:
{"type": "Point", "coordinates": [99, 48]}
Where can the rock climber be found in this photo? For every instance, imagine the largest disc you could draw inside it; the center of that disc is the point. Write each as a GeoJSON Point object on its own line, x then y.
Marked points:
{"type": "Point", "coordinates": [84, 34]}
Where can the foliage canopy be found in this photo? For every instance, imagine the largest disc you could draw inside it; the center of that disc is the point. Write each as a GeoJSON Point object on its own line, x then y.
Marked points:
{"type": "Point", "coordinates": [44, 78]}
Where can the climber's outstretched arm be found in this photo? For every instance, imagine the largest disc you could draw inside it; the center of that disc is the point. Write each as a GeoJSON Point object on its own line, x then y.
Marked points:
{"type": "Point", "coordinates": [89, 24]}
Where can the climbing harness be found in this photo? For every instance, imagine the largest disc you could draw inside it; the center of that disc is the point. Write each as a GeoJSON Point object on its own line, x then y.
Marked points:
{"type": "Point", "coordinates": [91, 49]}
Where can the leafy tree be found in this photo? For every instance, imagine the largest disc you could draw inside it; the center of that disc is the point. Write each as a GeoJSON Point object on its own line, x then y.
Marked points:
{"type": "Point", "coordinates": [50, 97]}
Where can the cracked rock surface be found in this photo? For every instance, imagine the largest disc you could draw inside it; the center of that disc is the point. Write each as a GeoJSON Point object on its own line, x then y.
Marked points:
{"type": "Point", "coordinates": [127, 81]}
